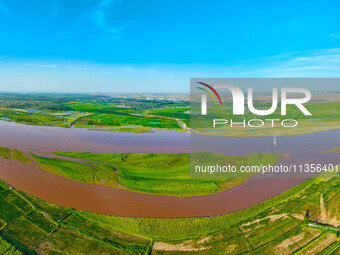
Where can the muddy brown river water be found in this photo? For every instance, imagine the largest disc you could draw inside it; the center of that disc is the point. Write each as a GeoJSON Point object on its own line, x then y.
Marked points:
{"type": "Point", "coordinates": [111, 201]}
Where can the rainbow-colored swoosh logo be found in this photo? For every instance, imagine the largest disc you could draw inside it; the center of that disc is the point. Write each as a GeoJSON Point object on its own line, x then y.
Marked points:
{"type": "Point", "coordinates": [209, 93]}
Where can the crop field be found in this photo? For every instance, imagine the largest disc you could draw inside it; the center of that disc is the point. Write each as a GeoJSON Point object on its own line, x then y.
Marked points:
{"type": "Point", "coordinates": [90, 111]}
{"type": "Point", "coordinates": [182, 113]}
{"type": "Point", "coordinates": [110, 113]}
{"type": "Point", "coordinates": [7, 248]}
{"type": "Point", "coordinates": [118, 120]}
{"type": "Point", "coordinates": [129, 130]}
{"type": "Point", "coordinates": [270, 227]}
{"type": "Point", "coordinates": [41, 118]}
{"type": "Point", "coordinates": [32, 225]}
{"type": "Point", "coordinates": [95, 107]}
{"type": "Point", "coordinates": [114, 116]}
{"type": "Point", "coordinates": [164, 174]}
{"type": "Point", "coordinates": [285, 224]}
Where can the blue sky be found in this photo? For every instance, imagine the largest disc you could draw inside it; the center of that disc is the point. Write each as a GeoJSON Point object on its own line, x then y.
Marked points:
{"type": "Point", "coordinates": [156, 46]}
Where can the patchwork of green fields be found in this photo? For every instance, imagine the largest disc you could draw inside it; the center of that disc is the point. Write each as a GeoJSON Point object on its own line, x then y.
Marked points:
{"type": "Point", "coordinates": [30, 225]}
{"type": "Point", "coordinates": [93, 113]}
{"type": "Point", "coordinates": [278, 226]}
{"type": "Point", "coordinates": [182, 113]}
{"type": "Point", "coordinates": [118, 120]}
{"type": "Point", "coordinates": [129, 130]}
{"type": "Point", "coordinates": [94, 107]}
{"type": "Point", "coordinates": [41, 118]}
{"type": "Point", "coordinates": [113, 116]}
{"type": "Point", "coordinates": [164, 174]}
{"type": "Point", "coordinates": [7, 248]}
{"type": "Point", "coordinates": [303, 220]}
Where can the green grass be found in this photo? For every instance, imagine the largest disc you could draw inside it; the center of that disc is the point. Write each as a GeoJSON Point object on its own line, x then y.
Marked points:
{"type": "Point", "coordinates": [5, 152]}
{"type": "Point", "coordinates": [72, 242]}
{"type": "Point", "coordinates": [25, 232]}
{"type": "Point", "coordinates": [182, 113]}
{"type": "Point", "coordinates": [51, 228]}
{"type": "Point", "coordinates": [92, 112]}
{"type": "Point", "coordinates": [105, 114]}
{"type": "Point", "coordinates": [119, 119]}
{"type": "Point", "coordinates": [41, 221]}
{"type": "Point", "coordinates": [8, 249]}
{"type": "Point", "coordinates": [117, 239]}
{"type": "Point", "coordinates": [319, 244]}
{"type": "Point", "coordinates": [166, 174]}
{"type": "Point", "coordinates": [73, 170]}
{"type": "Point", "coordinates": [94, 107]}
{"type": "Point", "coordinates": [288, 242]}
{"type": "Point", "coordinates": [21, 156]}
{"type": "Point", "coordinates": [17, 200]}
{"type": "Point", "coordinates": [129, 130]}
{"type": "Point", "coordinates": [2, 224]}
{"type": "Point", "coordinates": [9, 212]}
{"type": "Point", "coordinates": [266, 228]}
{"type": "Point", "coordinates": [179, 113]}
{"type": "Point", "coordinates": [87, 173]}
{"type": "Point", "coordinates": [41, 118]}
{"type": "Point", "coordinates": [57, 213]}
{"type": "Point", "coordinates": [169, 187]}
{"type": "Point", "coordinates": [14, 154]}
{"type": "Point", "coordinates": [168, 229]}
{"type": "Point", "coordinates": [333, 249]}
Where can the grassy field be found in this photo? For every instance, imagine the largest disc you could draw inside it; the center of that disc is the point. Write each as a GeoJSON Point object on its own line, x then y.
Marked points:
{"type": "Point", "coordinates": [93, 111]}
{"type": "Point", "coordinates": [129, 130]}
{"type": "Point", "coordinates": [182, 113]}
{"type": "Point", "coordinates": [14, 154]}
{"type": "Point", "coordinates": [31, 225]}
{"type": "Point", "coordinates": [41, 118]}
{"type": "Point", "coordinates": [294, 222]}
{"type": "Point", "coordinates": [77, 171]}
{"type": "Point", "coordinates": [105, 114]}
{"type": "Point", "coordinates": [165, 174]}
{"type": "Point", "coordinates": [89, 111]}
{"type": "Point", "coordinates": [119, 120]}
{"type": "Point", "coordinates": [259, 225]}
{"type": "Point", "coordinates": [7, 248]}
{"type": "Point", "coordinates": [95, 107]}
{"type": "Point", "coordinates": [91, 116]}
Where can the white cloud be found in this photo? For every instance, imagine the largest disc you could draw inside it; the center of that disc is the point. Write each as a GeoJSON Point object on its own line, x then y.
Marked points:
{"type": "Point", "coordinates": [128, 68]}
{"type": "Point", "coordinates": [100, 19]}
{"type": "Point", "coordinates": [319, 63]}
{"type": "Point", "coordinates": [112, 27]}
{"type": "Point", "coordinates": [41, 65]}
{"type": "Point", "coordinates": [151, 71]}
{"type": "Point", "coordinates": [335, 35]}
